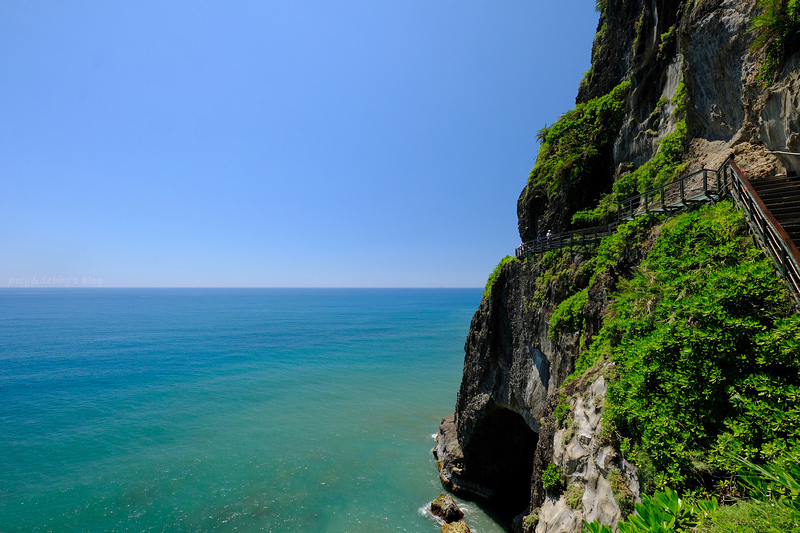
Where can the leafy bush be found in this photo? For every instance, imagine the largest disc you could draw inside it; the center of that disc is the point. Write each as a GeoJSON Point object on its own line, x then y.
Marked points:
{"type": "Point", "coordinates": [622, 494]}
{"type": "Point", "coordinates": [568, 315]}
{"type": "Point", "coordinates": [666, 511]}
{"type": "Point", "coordinates": [567, 437]}
{"type": "Point", "coordinates": [774, 484]}
{"type": "Point", "coordinates": [777, 32]}
{"type": "Point", "coordinates": [775, 507]}
{"type": "Point", "coordinates": [532, 519]}
{"type": "Point", "coordinates": [570, 149]}
{"type": "Point", "coordinates": [562, 412]}
{"type": "Point", "coordinates": [705, 353]}
{"type": "Point", "coordinates": [665, 166]}
{"type": "Point", "coordinates": [662, 168]}
{"type": "Point", "coordinates": [551, 479]}
{"type": "Point", "coordinates": [748, 517]}
{"type": "Point", "coordinates": [596, 527]}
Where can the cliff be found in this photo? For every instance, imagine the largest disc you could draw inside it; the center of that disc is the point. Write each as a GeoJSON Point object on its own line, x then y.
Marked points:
{"type": "Point", "coordinates": [674, 86]}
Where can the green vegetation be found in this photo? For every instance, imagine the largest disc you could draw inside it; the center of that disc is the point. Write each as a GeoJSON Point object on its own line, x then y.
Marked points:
{"type": "Point", "coordinates": [773, 484]}
{"type": "Point", "coordinates": [665, 166]}
{"type": "Point", "coordinates": [777, 32]}
{"type": "Point", "coordinates": [707, 354]}
{"type": "Point", "coordinates": [568, 316]}
{"type": "Point", "coordinates": [774, 508]}
{"type": "Point", "coordinates": [562, 412]}
{"type": "Point", "coordinates": [706, 346]}
{"type": "Point", "coordinates": [532, 519]}
{"type": "Point", "coordinates": [494, 275]}
{"type": "Point", "coordinates": [574, 496]}
{"type": "Point", "coordinates": [622, 494]}
{"type": "Point", "coordinates": [574, 146]}
{"type": "Point", "coordinates": [639, 30]}
{"type": "Point", "coordinates": [558, 266]}
{"type": "Point", "coordinates": [748, 517]}
{"type": "Point", "coordinates": [666, 40]}
{"type": "Point", "coordinates": [567, 437]}
{"type": "Point", "coordinates": [551, 479]}
{"type": "Point", "coordinates": [679, 100]}
{"type": "Point", "coordinates": [600, 6]}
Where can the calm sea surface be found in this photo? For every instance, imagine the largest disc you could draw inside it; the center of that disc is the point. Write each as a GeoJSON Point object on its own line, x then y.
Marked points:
{"type": "Point", "coordinates": [226, 410]}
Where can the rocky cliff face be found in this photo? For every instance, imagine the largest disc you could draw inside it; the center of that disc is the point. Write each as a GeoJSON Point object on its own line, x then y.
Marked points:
{"type": "Point", "coordinates": [503, 434]}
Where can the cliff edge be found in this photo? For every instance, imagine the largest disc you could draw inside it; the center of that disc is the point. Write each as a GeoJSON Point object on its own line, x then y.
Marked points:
{"type": "Point", "coordinates": [674, 86]}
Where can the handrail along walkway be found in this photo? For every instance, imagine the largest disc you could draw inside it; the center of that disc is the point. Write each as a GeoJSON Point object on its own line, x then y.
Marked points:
{"type": "Point", "coordinates": [704, 185]}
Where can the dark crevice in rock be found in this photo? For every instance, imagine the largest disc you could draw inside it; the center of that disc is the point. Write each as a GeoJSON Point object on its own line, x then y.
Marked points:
{"type": "Point", "coordinates": [499, 456]}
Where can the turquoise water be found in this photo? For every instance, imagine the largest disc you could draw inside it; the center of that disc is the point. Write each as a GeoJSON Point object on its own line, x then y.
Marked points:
{"type": "Point", "coordinates": [226, 410]}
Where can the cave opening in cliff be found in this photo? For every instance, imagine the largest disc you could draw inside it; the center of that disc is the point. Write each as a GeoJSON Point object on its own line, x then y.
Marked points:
{"type": "Point", "coordinates": [502, 446]}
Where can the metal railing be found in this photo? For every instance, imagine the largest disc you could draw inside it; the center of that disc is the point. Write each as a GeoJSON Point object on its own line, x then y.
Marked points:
{"type": "Point", "coordinates": [702, 186]}
{"type": "Point", "coordinates": [771, 236]}
{"type": "Point", "coordinates": [570, 238]}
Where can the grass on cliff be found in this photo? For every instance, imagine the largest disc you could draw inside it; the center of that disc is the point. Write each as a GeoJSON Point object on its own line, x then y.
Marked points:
{"type": "Point", "coordinates": [706, 346]}
{"type": "Point", "coordinates": [487, 290]}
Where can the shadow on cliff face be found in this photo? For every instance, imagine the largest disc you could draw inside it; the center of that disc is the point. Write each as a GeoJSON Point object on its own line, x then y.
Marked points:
{"type": "Point", "coordinates": [499, 456]}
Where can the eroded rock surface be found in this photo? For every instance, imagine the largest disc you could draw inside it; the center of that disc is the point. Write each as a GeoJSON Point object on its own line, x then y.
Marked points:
{"type": "Point", "coordinates": [446, 508]}
{"type": "Point", "coordinates": [587, 461]}
{"type": "Point", "coordinates": [455, 527]}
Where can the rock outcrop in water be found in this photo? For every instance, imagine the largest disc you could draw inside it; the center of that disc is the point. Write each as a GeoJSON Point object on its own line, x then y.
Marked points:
{"type": "Point", "coordinates": [503, 432]}
{"type": "Point", "coordinates": [445, 508]}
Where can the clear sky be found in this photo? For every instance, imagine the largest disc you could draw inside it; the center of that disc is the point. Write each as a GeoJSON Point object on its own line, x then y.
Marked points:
{"type": "Point", "coordinates": [275, 143]}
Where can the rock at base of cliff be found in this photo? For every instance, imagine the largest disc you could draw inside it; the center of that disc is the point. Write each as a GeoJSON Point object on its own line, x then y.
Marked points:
{"type": "Point", "coordinates": [455, 527]}
{"type": "Point", "coordinates": [445, 508]}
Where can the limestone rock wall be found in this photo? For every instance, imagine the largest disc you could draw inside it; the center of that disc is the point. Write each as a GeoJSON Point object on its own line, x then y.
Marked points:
{"type": "Point", "coordinates": [588, 464]}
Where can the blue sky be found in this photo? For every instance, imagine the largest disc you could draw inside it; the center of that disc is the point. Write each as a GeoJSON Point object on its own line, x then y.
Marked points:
{"type": "Point", "coordinates": [275, 143]}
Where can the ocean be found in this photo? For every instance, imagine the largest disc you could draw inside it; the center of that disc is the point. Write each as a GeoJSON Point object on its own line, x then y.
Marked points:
{"type": "Point", "coordinates": [227, 409]}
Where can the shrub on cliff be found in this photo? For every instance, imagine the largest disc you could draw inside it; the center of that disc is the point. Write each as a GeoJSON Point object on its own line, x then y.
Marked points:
{"type": "Point", "coordinates": [551, 479]}
{"type": "Point", "coordinates": [571, 148]}
{"type": "Point", "coordinates": [665, 166]}
{"type": "Point", "coordinates": [777, 31]}
{"type": "Point", "coordinates": [707, 352]}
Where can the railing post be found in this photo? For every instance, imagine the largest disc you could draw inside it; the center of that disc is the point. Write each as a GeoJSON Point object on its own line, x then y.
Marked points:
{"type": "Point", "coordinates": [705, 183]}
{"type": "Point", "coordinates": [683, 195]}
{"type": "Point", "coordinates": [646, 204]}
{"type": "Point", "coordinates": [663, 203]}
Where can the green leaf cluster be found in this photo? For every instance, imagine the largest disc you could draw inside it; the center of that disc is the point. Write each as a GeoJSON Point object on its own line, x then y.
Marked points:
{"type": "Point", "coordinates": [574, 495]}
{"type": "Point", "coordinates": [774, 507]}
{"type": "Point", "coordinates": [568, 315]}
{"type": "Point", "coordinates": [551, 479]}
{"type": "Point", "coordinates": [773, 483]}
{"type": "Point", "coordinates": [662, 168]}
{"type": "Point", "coordinates": [622, 494]}
{"type": "Point", "coordinates": [572, 147]}
{"type": "Point", "coordinates": [664, 512]}
{"type": "Point", "coordinates": [562, 412]}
